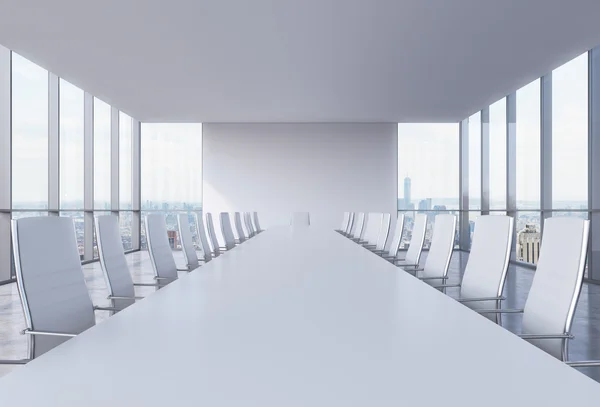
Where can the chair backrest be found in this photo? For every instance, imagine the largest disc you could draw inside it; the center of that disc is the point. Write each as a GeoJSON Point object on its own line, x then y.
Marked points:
{"type": "Point", "coordinates": [187, 241]}
{"type": "Point", "coordinates": [413, 254]}
{"type": "Point", "coordinates": [212, 234]}
{"type": "Point", "coordinates": [384, 232]}
{"type": "Point", "coordinates": [345, 220]}
{"type": "Point", "coordinates": [248, 222]}
{"type": "Point", "coordinates": [50, 280]}
{"type": "Point", "coordinates": [256, 223]}
{"type": "Point", "coordinates": [227, 230]}
{"type": "Point", "coordinates": [159, 249]}
{"type": "Point", "coordinates": [359, 226]}
{"type": "Point", "coordinates": [238, 225]}
{"type": "Point", "coordinates": [350, 224]}
{"type": "Point", "coordinates": [395, 244]}
{"type": "Point", "coordinates": [206, 250]}
{"type": "Point", "coordinates": [373, 227]}
{"type": "Point", "coordinates": [557, 282]}
{"type": "Point", "coordinates": [300, 219]}
{"type": "Point", "coordinates": [442, 245]}
{"type": "Point", "coordinates": [486, 268]}
{"type": "Point", "coordinates": [112, 260]}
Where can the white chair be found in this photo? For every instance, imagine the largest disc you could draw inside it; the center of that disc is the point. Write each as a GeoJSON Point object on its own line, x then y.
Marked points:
{"type": "Point", "coordinates": [383, 235]}
{"type": "Point", "coordinates": [485, 273]}
{"type": "Point", "coordinates": [206, 250]}
{"type": "Point", "coordinates": [121, 288]}
{"type": "Point", "coordinates": [187, 242]}
{"type": "Point", "coordinates": [357, 229]}
{"type": "Point", "coordinates": [256, 223]}
{"type": "Point", "coordinates": [552, 299]}
{"type": "Point", "coordinates": [300, 219]}
{"type": "Point", "coordinates": [392, 251]}
{"type": "Point", "coordinates": [161, 254]}
{"type": "Point", "coordinates": [238, 225]}
{"type": "Point", "coordinates": [227, 231]}
{"type": "Point", "coordinates": [212, 234]}
{"type": "Point", "coordinates": [249, 225]}
{"type": "Point", "coordinates": [348, 229]}
{"type": "Point", "coordinates": [413, 254]}
{"type": "Point", "coordinates": [440, 251]}
{"type": "Point", "coordinates": [373, 227]}
{"type": "Point", "coordinates": [345, 221]}
{"type": "Point", "coordinates": [54, 297]}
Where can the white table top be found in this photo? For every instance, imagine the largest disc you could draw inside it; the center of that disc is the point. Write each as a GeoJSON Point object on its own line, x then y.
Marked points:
{"type": "Point", "coordinates": [297, 318]}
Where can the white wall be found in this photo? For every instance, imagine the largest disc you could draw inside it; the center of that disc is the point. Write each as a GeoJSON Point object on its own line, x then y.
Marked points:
{"type": "Point", "coordinates": [277, 169]}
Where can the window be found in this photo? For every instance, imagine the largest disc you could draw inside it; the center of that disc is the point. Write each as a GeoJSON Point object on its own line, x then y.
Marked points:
{"type": "Point", "coordinates": [71, 146]}
{"type": "Point", "coordinates": [29, 135]}
{"type": "Point", "coordinates": [171, 165]}
{"type": "Point", "coordinates": [428, 166]}
{"type": "Point", "coordinates": [102, 154]}
{"type": "Point", "coordinates": [498, 155]}
{"type": "Point", "coordinates": [528, 146]}
{"type": "Point", "coordinates": [475, 161]}
{"type": "Point", "coordinates": [570, 135]}
{"type": "Point", "coordinates": [125, 162]}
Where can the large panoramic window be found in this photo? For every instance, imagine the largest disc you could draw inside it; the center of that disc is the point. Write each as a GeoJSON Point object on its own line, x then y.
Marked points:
{"type": "Point", "coordinates": [570, 135]}
{"type": "Point", "coordinates": [475, 161]}
{"type": "Point", "coordinates": [498, 155]}
{"type": "Point", "coordinates": [29, 135]}
{"type": "Point", "coordinates": [71, 146]}
{"type": "Point", "coordinates": [171, 166]}
{"type": "Point", "coordinates": [528, 128]}
{"type": "Point", "coordinates": [102, 122]}
{"type": "Point", "coordinates": [528, 146]}
{"type": "Point", "coordinates": [125, 162]}
{"type": "Point", "coordinates": [428, 157]}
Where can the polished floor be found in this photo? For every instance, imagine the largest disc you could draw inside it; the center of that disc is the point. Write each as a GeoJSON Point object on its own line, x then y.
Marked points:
{"type": "Point", "coordinates": [586, 327]}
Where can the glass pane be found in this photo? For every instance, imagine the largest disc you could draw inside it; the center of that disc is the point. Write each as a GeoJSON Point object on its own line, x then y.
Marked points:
{"type": "Point", "coordinates": [95, 241]}
{"type": "Point", "coordinates": [71, 146]}
{"type": "Point", "coordinates": [570, 134]}
{"type": "Point", "coordinates": [79, 228]}
{"type": "Point", "coordinates": [498, 155]}
{"type": "Point", "coordinates": [126, 224]}
{"type": "Point", "coordinates": [29, 135]}
{"type": "Point", "coordinates": [170, 183]}
{"type": "Point", "coordinates": [125, 174]}
{"type": "Point", "coordinates": [428, 166]}
{"type": "Point", "coordinates": [409, 220]}
{"type": "Point", "coordinates": [529, 236]}
{"type": "Point", "coordinates": [102, 183]}
{"type": "Point", "coordinates": [473, 215]}
{"type": "Point", "coordinates": [528, 146]}
{"type": "Point", "coordinates": [475, 161]}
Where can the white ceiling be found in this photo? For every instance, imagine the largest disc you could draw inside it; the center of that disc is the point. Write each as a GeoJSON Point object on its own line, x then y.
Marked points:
{"type": "Point", "coordinates": [303, 60]}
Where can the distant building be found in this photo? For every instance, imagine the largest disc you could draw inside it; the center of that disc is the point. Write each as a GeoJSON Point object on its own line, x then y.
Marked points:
{"type": "Point", "coordinates": [425, 205]}
{"type": "Point", "coordinates": [407, 197]}
{"type": "Point", "coordinates": [528, 244]}
{"type": "Point", "coordinates": [173, 240]}
{"type": "Point", "coordinates": [440, 208]}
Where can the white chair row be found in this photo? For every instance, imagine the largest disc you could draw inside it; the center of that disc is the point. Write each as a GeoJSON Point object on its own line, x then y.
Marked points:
{"type": "Point", "coordinates": [550, 306]}
{"type": "Point", "coordinates": [246, 225]}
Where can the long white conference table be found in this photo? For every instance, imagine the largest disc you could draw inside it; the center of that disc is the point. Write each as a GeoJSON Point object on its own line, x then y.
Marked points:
{"type": "Point", "coordinates": [297, 317]}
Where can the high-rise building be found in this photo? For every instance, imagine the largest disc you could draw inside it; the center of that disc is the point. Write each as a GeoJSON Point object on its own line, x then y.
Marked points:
{"type": "Point", "coordinates": [425, 204]}
{"type": "Point", "coordinates": [407, 198]}
{"type": "Point", "coordinates": [528, 244]}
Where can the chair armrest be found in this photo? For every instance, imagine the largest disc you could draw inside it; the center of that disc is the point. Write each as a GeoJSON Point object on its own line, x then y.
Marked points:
{"type": "Point", "coordinates": [14, 362]}
{"type": "Point", "coordinates": [113, 309]}
{"type": "Point", "coordinates": [446, 286]}
{"type": "Point", "coordinates": [432, 278]}
{"type": "Point", "coordinates": [119, 297]}
{"type": "Point", "coordinates": [481, 299]}
{"type": "Point", "coordinates": [584, 363]}
{"type": "Point", "coordinates": [165, 278]}
{"type": "Point", "coordinates": [500, 311]}
{"type": "Point", "coordinates": [148, 285]}
{"type": "Point", "coordinates": [545, 336]}
{"type": "Point", "coordinates": [47, 333]}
